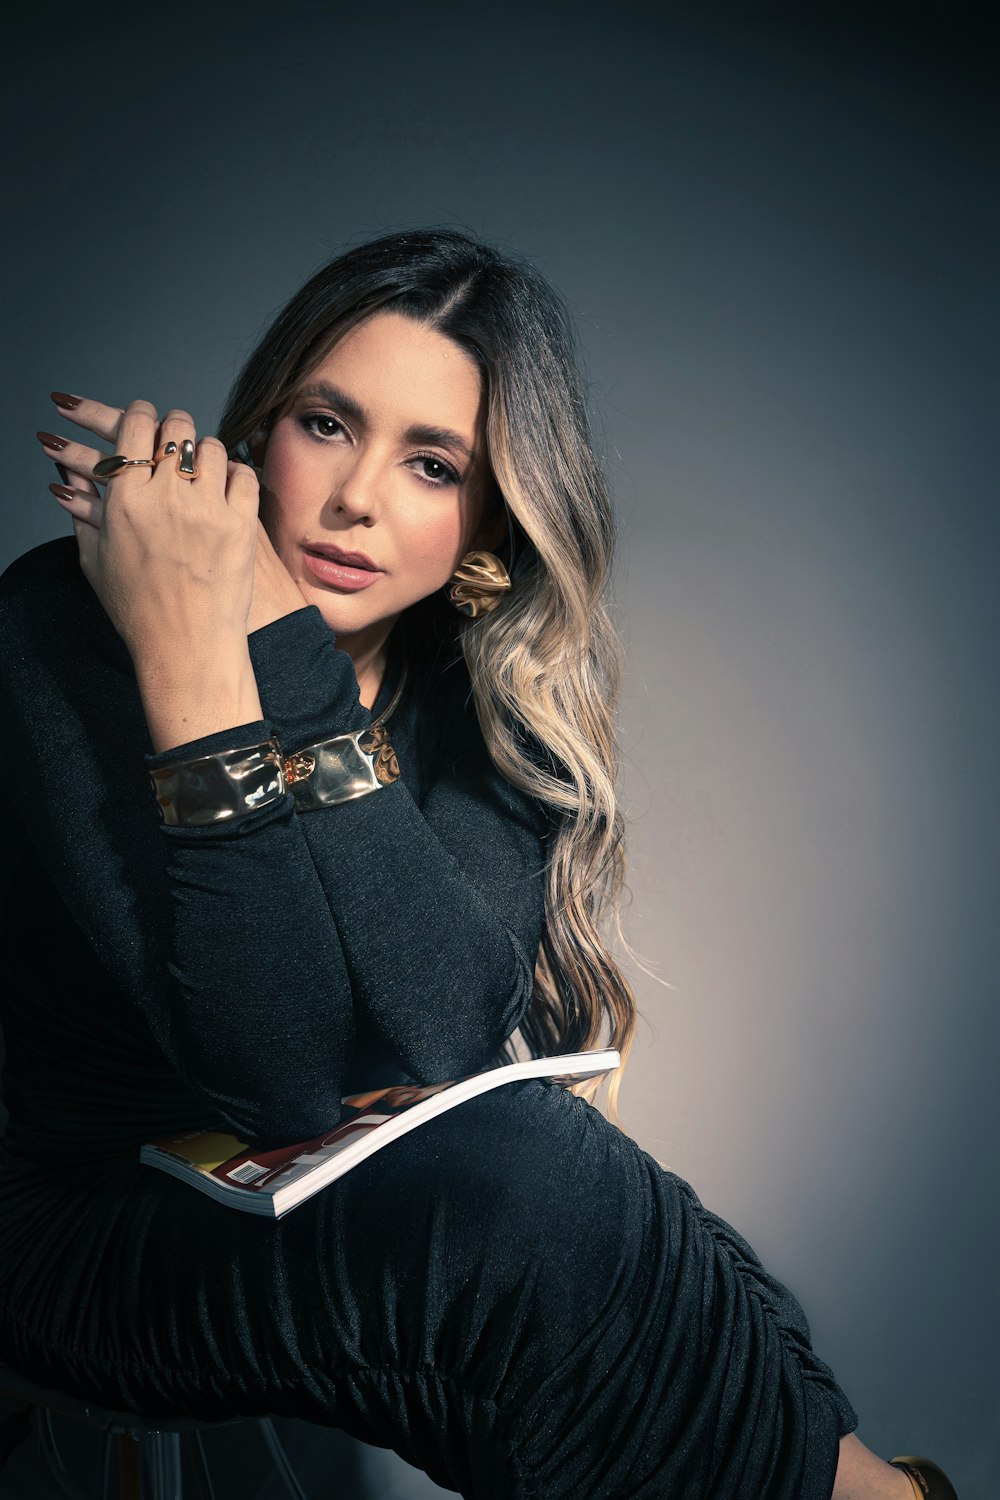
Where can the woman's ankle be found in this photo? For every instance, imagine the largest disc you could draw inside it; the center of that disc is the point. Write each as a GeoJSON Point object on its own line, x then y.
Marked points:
{"type": "Point", "coordinates": [862, 1475]}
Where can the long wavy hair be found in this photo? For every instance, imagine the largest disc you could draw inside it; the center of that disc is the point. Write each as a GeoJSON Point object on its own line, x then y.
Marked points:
{"type": "Point", "coordinates": [545, 666]}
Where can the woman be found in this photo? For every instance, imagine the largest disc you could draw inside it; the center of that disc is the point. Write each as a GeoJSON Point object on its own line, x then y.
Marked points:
{"type": "Point", "coordinates": [372, 839]}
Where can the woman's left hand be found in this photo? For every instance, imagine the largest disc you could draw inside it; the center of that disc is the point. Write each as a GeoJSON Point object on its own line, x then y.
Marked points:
{"type": "Point", "coordinates": [275, 592]}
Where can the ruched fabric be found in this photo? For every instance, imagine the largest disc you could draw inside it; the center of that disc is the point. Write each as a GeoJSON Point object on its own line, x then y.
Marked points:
{"type": "Point", "coordinates": [515, 1298]}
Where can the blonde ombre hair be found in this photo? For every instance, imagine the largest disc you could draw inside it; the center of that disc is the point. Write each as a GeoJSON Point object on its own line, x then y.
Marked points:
{"type": "Point", "coordinates": [546, 665]}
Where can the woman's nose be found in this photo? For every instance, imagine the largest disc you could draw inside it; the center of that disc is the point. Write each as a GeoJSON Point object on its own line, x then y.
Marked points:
{"type": "Point", "coordinates": [356, 493]}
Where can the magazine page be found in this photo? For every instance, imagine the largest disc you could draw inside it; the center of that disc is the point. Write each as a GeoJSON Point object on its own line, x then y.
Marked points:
{"type": "Point", "coordinates": [272, 1182]}
{"type": "Point", "coordinates": [230, 1162]}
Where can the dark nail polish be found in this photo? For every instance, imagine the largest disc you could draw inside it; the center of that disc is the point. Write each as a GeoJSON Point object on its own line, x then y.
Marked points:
{"type": "Point", "coordinates": [51, 441]}
{"type": "Point", "coordinates": [63, 491]}
{"type": "Point", "coordinates": [61, 399]}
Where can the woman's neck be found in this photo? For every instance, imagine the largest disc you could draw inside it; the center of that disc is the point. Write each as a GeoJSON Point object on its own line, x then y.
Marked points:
{"type": "Point", "coordinates": [370, 679]}
{"type": "Point", "coordinates": [370, 652]}
{"type": "Point", "coordinates": [370, 663]}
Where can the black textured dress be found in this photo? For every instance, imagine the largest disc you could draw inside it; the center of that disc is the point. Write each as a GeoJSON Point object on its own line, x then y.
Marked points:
{"type": "Point", "coordinates": [515, 1297]}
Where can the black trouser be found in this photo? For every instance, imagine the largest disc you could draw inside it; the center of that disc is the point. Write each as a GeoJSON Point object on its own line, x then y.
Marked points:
{"type": "Point", "coordinates": [514, 1297]}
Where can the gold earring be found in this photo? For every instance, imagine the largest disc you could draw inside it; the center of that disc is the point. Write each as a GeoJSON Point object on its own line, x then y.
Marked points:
{"type": "Point", "coordinates": [478, 583]}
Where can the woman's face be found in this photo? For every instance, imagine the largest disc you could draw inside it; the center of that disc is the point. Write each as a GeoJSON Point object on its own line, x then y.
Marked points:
{"type": "Point", "coordinates": [345, 467]}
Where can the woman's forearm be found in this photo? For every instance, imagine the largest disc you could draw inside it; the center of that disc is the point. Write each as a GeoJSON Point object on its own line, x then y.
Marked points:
{"type": "Point", "coordinates": [190, 693]}
{"type": "Point", "coordinates": [438, 902]}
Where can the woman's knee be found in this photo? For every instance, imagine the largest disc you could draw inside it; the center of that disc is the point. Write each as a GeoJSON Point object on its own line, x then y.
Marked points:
{"type": "Point", "coordinates": [532, 1158]}
{"type": "Point", "coordinates": [524, 1182]}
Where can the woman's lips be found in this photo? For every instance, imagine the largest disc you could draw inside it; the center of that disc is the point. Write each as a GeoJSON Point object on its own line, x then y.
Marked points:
{"type": "Point", "coordinates": [339, 575]}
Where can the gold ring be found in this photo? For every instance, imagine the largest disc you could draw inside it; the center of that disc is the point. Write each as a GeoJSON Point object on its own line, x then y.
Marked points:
{"type": "Point", "coordinates": [165, 450]}
{"type": "Point", "coordinates": [107, 468]}
{"type": "Point", "coordinates": [186, 466]}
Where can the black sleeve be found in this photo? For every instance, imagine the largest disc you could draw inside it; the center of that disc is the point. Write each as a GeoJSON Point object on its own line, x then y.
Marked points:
{"type": "Point", "coordinates": [222, 936]}
{"type": "Point", "coordinates": [248, 946]}
{"type": "Point", "coordinates": [439, 907]}
{"type": "Point", "coordinates": [261, 1019]}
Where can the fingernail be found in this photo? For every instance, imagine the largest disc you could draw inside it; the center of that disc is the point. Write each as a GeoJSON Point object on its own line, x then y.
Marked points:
{"type": "Point", "coordinates": [62, 491]}
{"type": "Point", "coordinates": [50, 440]}
{"type": "Point", "coordinates": [61, 399]}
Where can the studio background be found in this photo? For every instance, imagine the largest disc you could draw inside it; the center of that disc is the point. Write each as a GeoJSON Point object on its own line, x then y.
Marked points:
{"type": "Point", "coordinates": [773, 227]}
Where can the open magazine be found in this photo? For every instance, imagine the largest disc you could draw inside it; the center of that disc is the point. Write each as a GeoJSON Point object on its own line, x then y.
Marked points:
{"type": "Point", "coordinates": [273, 1182]}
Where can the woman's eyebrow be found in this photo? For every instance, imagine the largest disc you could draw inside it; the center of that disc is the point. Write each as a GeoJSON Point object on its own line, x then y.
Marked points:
{"type": "Point", "coordinates": [445, 437]}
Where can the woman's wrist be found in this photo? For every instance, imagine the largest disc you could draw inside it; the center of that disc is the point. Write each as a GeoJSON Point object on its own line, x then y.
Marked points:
{"type": "Point", "coordinates": [186, 694]}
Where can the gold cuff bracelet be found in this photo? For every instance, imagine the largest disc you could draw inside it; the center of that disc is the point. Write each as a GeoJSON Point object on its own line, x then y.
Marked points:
{"type": "Point", "coordinates": [344, 766]}
{"type": "Point", "coordinates": [232, 783]}
{"type": "Point", "coordinates": [218, 788]}
{"type": "Point", "coordinates": [341, 768]}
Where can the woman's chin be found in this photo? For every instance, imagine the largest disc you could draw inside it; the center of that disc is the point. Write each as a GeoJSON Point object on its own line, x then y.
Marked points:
{"type": "Point", "coordinates": [345, 614]}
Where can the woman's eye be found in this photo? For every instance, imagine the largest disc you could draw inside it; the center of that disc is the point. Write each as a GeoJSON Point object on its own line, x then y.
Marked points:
{"type": "Point", "coordinates": [322, 418]}
{"type": "Point", "coordinates": [321, 425]}
{"type": "Point", "coordinates": [446, 474]}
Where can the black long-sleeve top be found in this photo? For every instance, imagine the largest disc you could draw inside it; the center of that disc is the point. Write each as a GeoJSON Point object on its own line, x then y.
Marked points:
{"type": "Point", "coordinates": [243, 975]}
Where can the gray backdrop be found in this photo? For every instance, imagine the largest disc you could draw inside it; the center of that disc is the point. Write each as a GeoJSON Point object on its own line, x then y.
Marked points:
{"type": "Point", "coordinates": [773, 227]}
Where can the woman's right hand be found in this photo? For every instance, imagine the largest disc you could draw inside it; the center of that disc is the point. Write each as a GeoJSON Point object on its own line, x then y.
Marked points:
{"type": "Point", "coordinates": [171, 559]}
{"type": "Point", "coordinates": [274, 592]}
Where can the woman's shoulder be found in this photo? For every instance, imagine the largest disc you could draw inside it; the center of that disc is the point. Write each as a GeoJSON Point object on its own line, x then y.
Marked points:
{"type": "Point", "coordinates": [46, 578]}
{"type": "Point", "coordinates": [49, 612]}
{"type": "Point", "coordinates": [47, 562]}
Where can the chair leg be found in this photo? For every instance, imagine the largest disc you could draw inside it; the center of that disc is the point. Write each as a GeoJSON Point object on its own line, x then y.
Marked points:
{"type": "Point", "coordinates": [51, 1454]}
{"type": "Point", "coordinates": [162, 1455]}
{"type": "Point", "coordinates": [195, 1449]}
{"type": "Point", "coordinates": [107, 1449]}
{"type": "Point", "coordinates": [170, 1465]}
{"type": "Point", "coordinates": [129, 1476]}
{"type": "Point", "coordinates": [150, 1467]}
{"type": "Point", "coordinates": [284, 1468]}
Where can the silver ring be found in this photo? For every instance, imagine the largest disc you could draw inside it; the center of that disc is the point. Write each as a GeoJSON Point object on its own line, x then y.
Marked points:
{"type": "Point", "coordinates": [186, 466]}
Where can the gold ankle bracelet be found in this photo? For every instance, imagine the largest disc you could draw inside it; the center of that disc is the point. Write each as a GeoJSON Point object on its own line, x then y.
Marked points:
{"type": "Point", "coordinates": [928, 1480]}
